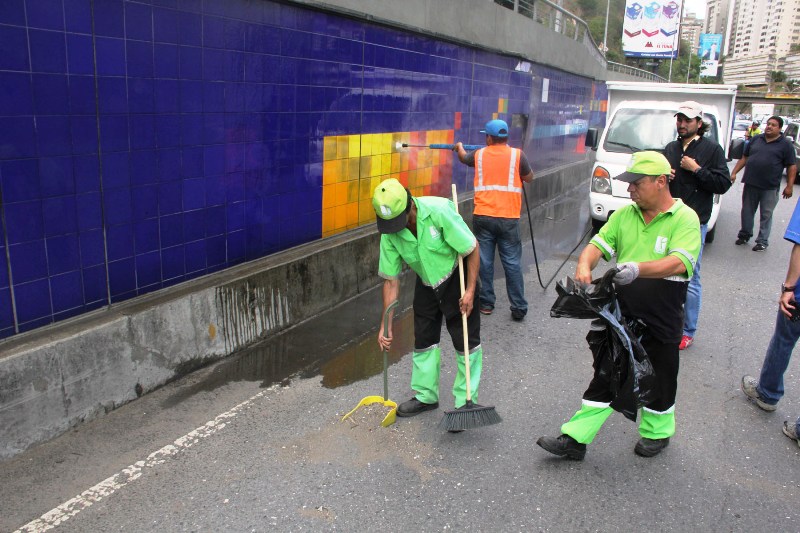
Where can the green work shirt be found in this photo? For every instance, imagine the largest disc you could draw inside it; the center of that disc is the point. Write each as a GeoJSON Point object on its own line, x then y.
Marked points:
{"type": "Point", "coordinates": [676, 232]}
{"type": "Point", "coordinates": [433, 254]}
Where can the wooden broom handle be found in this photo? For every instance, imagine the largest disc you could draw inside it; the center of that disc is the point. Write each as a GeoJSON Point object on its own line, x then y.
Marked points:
{"type": "Point", "coordinates": [463, 315]}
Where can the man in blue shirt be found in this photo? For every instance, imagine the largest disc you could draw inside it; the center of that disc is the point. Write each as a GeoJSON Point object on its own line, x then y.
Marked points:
{"type": "Point", "coordinates": [766, 156]}
{"type": "Point", "coordinates": [767, 390]}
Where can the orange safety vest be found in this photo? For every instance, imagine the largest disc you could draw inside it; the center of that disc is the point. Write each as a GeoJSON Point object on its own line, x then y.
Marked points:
{"type": "Point", "coordinates": [498, 186]}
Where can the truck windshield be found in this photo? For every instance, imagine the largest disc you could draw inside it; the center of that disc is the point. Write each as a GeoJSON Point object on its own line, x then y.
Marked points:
{"type": "Point", "coordinates": [633, 130]}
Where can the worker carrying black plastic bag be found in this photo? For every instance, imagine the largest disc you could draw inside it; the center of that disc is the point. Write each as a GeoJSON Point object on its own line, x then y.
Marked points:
{"type": "Point", "coordinates": [620, 362]}
{"type": "Point", "coordinates": [655, 242]}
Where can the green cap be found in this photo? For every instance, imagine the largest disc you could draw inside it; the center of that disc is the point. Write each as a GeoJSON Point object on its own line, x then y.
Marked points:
{"type": "Point", "coordinates": [647, 163]}
{"type": "Point", "coordinates": [390, 200]}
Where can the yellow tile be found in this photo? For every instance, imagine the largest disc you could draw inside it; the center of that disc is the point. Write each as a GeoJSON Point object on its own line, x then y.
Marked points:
{"type": "Point", "coordinates": [352, 192]}
{"type": "Point", "coordinates": [354, 149]}
{"type": "Point", "coordinates": [364, 190]}
{"type": "Point", "coordinates": [386, 163]}
{"type": "Point", "coordinates": [388, 143]}
{"type": "Point", "coordinates": [329, 148]}
{"type": "Point", "coordinates": [395, 168]}
{"type": "Point", "coordinates": [366, 214]}
{"type": "Point", "coordinates": [365, 166]}
{"type": "Point", "coordinates": [404, 162]}
{"type": "Point", "coordinates": [366, 144]}
{"type": "Point", "coordinates": [375, 165]}
{"type": "Point", "coordinates": [353, 170]}
{"type": "Point", "coordinates": [342, 145]}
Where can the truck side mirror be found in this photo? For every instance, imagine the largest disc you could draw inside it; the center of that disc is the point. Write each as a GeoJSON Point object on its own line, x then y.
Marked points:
{"type": "Point", "coordinates": [736, 149]}
{"type": "Point", "coordinates": [592, 137]}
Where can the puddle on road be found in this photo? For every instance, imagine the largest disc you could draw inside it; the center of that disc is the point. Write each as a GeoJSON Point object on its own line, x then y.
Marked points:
{"type": "Point", "coordinates": [340, 346]}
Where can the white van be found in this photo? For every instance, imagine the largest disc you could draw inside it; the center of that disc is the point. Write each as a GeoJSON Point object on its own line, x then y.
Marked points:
{"type": "Point", "coordinates": [641, 117]}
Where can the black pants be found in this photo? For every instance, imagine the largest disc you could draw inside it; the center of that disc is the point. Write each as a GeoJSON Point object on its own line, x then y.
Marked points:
{"type": "Point", "coordinates": [665, 360]}
{"type": "Point", "coordinates": [431, 306]}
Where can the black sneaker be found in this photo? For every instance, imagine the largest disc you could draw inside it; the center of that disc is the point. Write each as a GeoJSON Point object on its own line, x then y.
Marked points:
{"type": "Point", "coordinates": [414, 407]}
{"type": "Point", "coordinates": [759, 247]}
{"type": "Point", "coordinates": [740, 241]}
{"type": "Point", "coordinates": [563, 446]}
{"type": "Point", "coordinates": [517, 315]}
{"type": "Point", "coordinates": [650, 447]}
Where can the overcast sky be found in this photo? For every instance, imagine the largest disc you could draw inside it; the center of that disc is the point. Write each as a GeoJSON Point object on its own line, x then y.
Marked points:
{"type": "Point", "coordinates": [697, 6]}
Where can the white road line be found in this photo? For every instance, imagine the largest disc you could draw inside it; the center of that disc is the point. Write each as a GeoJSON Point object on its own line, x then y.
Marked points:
{"type": "Point", "coordinates": [110, 485]}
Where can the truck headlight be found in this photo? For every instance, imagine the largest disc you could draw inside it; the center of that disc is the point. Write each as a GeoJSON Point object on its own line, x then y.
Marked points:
{"type": "Point", "coordinates": [601, 181]}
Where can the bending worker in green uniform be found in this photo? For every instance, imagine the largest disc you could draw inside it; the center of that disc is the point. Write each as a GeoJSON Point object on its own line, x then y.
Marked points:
{"type": "Point", "coordinates": [428, 234]}
{"type": "Point", "coordinates": [656, 241]}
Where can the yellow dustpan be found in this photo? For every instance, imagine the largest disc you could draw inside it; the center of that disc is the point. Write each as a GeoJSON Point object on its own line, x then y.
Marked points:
{"type": "Point", "coordinates": [392, 415]}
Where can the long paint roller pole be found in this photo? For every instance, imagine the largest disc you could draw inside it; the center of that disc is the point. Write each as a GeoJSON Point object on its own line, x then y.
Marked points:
{"type": "Point", "coordinates": [467, 147]}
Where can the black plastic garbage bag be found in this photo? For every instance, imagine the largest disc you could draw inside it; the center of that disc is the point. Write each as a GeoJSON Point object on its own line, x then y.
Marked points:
{"type": "Point", "coordinates": [619, 358]}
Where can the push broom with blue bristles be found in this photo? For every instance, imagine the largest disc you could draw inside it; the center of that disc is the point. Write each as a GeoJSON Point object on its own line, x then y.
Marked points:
{"type": "Point", "coordinates": [470, 415]}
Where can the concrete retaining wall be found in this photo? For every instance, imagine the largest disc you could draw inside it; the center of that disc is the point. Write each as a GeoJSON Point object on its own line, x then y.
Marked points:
{"type": "Point", "coordinates": [56, 377]}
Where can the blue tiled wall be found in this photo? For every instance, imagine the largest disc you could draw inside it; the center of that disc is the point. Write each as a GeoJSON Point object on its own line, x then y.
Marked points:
{"type": "Point", "coordinates": [145, 143]}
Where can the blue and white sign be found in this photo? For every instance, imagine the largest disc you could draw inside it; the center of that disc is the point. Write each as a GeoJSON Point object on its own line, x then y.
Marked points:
{"type": "Point", "coordinates": [709, 52]}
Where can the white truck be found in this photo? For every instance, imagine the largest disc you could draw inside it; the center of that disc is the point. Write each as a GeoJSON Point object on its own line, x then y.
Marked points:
{"type": "Point", "coordinates": [761, 112]}
{"type": "Point", "coordinates": [640, 116]}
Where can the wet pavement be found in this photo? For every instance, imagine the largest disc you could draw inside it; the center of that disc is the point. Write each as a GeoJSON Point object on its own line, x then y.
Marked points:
{"type": "Point", "coordinates": [255, 442]}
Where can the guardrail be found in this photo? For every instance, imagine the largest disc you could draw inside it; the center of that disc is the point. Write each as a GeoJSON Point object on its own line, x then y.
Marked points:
{"type": "Point", "coordinates": [557, 19]}
{"type": "Point", "coordinates": [633, 71]}
{"type": "Point", "coordinates": [562, 21]}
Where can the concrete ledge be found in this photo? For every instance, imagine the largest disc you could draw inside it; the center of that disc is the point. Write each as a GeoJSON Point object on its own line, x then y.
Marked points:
{"type": "Point", "coordinates": [59, 376]}
{"type": "Point", "coordinates": [479, 23]}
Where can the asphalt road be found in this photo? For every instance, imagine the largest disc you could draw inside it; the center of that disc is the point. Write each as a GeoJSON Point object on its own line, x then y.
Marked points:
{"type": "Point", "coordinates": [275, 457]}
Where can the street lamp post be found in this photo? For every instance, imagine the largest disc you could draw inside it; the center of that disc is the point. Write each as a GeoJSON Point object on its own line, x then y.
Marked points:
{"type": "Point", "coordinates": [605, 31]}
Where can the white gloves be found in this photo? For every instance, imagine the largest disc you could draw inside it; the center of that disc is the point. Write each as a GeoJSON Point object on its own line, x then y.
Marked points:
{"type": "Point", "coordinates": [627, 273]}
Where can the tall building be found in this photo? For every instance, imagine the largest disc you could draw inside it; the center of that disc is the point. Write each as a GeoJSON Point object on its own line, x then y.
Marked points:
{"type": "Point", "coordinates": [691, 28]}
{"type": "Point", "coordinates": [764, 36]}
{"type": "Point", "coordinates": [719, 20]}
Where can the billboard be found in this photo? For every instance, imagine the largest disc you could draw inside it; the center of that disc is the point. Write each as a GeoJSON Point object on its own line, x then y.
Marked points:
{"type": "Point", "coordinates": [709, 51]}
{"type": "Point", "coordinates": [651, 29]}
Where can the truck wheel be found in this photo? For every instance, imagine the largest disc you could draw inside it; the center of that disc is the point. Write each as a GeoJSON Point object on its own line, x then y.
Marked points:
{"type": "Point", "coordinates": [710, 235]}
{"type": "Point", "coordinates": [596, 225]}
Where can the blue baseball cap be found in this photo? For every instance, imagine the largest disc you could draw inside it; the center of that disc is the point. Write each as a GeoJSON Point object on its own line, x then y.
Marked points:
{"type": "Point", "coordinates": [496, 128]}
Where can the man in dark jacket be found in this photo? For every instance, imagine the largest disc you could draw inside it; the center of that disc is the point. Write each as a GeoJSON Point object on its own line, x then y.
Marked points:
{"type": "Point", "coordinates": [699, 172]}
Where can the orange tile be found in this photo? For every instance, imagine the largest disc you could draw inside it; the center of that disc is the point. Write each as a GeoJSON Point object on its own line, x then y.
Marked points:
{"type": "Point", "coordinates": [328, 221]}
{"type": "Point", "coordinates": [330, 172]}
{"type": "Point", "coordinates": [340, 217]}
{"type": "Point", "coordinates": [341, 194]}
{"type": "Point", "coordinates": [352, 215]}
{"type": "Point", "coordinates": [328, 196]}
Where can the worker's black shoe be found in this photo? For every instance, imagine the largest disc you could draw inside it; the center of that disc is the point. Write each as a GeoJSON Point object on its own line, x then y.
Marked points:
{"type": "Point", "coordinates": [414, 407]}
{"type": "Point", "coordinates": [563, 446]}
{"type": "Point", "coordinates": [650, 447]}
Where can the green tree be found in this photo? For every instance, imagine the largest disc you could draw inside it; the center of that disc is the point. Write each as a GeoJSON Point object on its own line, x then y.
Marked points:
{"type": "Point", "coordinates": [777, 76]}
